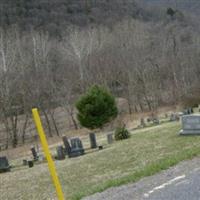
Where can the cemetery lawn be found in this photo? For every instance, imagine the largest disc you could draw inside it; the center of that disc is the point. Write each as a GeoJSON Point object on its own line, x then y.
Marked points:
{"type": "Point", "coordinates": [147, 152]}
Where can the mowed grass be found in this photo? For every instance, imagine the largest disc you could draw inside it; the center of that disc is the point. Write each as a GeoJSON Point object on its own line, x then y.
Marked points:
{"type": "Point", "coordinates": [148, 151]}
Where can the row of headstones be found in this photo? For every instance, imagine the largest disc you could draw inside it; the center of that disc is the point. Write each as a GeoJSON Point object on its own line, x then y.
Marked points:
{"type": "Point", "coordinates": [173, 117]}
{"type": "Point", "coordinates": [5, 167]}
{"type": "Point", "coordinates": [36, 158]}
{"type": "Point", "coordinates": [73, 147]}
{"type": "Point", "coordinates": [155, 121]}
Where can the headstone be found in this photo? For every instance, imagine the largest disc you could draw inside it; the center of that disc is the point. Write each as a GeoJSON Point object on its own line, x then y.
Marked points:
{"type": "Point", "coordinates": [60, 153]}
{"type": "Point", "coordinates": [4, 165]}
{"type": "Point", "coordinates": [100, 147]}
{"type": "Point", "coordinates": [185, 112]}
{"type": "Point", "coordinates": [41, 158]}
{"type": "Point", "coordinates": [67, 145]}
{"type": "Point", "coordinates": [190, 125]}
{"type": "Point", "coordinates": [30, 163]}
{"type": "Point", "coordinates": [110, 138]}
{"type": "Point", "coordinates": [148, 120]}
{"type": "Point", "coordinates": [180, 114]}
{"type": "Point", "coordinates": [76, 147]}
{"type": "Point", "coordinates": [25, 162]}
{"type": "Point", "coordinates": [34, 153]}
{"type": "Point", "coordinates": [142, 123]}
{"type": "Point", "coordinates": [188, 111]}
{"type": "Point", "coordinates": [93, 142]}
{"type": "Point", "coordinates": [172, 117]}
{"type": "Point", "coordinates": [156, 121]}
{"type": "Point", "coordinates": [175, 117]}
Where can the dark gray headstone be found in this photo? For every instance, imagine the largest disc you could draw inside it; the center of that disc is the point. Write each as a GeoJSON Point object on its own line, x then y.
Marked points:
{"type": "Point", "coordinates": [110, 138]}
{"type": "Point", "coordinates": [149, 120]}
{"type": "Point", "coordinates": [100, 147]}
{"type": "Point", "coordinates": [34, 153]}
{"type": "Point", "coordinates": [30, 163]}
{"type": "Point", "coordinates": [93, 142]}
{"type": "Point", "coordinates": [4, 165]}
{"type": "Point", "coordinates": [60, 153]}
{"type": "Point", "coordinates": [76, 147]}
{"type": "Point", "coordinates": [188, 111]}
{"type": "Point", "coordinates": [67, 145]}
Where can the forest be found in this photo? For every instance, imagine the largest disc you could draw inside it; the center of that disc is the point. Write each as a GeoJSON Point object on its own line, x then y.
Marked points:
{"type": "Point", "coordinates": [52, 51]}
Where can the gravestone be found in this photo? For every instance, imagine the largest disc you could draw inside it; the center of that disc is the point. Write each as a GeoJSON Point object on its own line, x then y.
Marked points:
{"type": "Point", "coordinates": [93, 142]}
{"type": "Point", "coordinates": [100, 147]}
{"type": "Point", "coordinates": [4, 165]}
{"type": "Point", "coordinates": [76, 148]}
{"type": "Point", "coordinates": [174, 117]}
{"type": "Point", "coordinates": [30, 163]}
{"type": "Point", "coordinates": [110, 138]}
{"type": "Point", "coordinates": [190, 125]}
{"type": "Point", "coordinates": [34, 153]}
{"type": "Point", "coordinates": [149, 120]}
{"type": "Point", "coordinates": [142, 123]}
{"type": "Point", "coordinates": [156, 121]}
{"type": "Point", "coordinates": [60, 153]}
{"type": "Point", "coordinates": [67, 145]}
{"type": "Point", "coordinates": [188, 111]}
{"type": "Point", "coordinates": [25, 162]}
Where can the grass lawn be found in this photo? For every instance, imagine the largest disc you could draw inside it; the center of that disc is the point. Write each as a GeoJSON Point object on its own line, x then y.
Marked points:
{"type": "Point", "coordinates": [148, 151]}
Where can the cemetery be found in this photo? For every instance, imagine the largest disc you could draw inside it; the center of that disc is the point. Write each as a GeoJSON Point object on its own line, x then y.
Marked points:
{"type": "Point", "coordinates": [161, 141]}
{"type": "Point", "coordinates": [101, 159]}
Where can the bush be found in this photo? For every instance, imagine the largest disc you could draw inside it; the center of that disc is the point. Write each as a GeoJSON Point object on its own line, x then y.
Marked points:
{"type": "Point", "coordinates": [96, 108]}
{"type": "Point", "coordinates": [121, 133]}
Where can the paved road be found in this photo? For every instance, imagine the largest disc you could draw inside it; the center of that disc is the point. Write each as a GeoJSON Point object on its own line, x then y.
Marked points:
{"type": "Point", "coordinates": [181, 182]}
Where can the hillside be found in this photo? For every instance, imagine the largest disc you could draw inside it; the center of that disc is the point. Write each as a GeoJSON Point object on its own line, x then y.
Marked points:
{"type": "Point", "coordinates": [55, 15]}
{"type": "Point", "coordinates": [52, 51]}
{"type": "Point", "coordinates": [185, 5]}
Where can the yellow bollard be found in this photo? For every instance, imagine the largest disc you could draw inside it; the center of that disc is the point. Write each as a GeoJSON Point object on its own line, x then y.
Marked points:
{"type": "Point", "coordinates": [51, 165]}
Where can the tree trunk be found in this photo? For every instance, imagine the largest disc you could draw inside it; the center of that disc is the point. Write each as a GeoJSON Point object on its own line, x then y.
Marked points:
{"type": "Point", "coordinates": [54, 123]}
{"type": "Point", "coordinates": [48, 124]}
{"type": "Point", "coordinates": [24, 128]}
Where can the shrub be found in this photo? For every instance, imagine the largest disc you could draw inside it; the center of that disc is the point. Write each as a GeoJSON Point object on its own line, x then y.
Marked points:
{"type": "Point", "coordinates": [121, 133]}
{"type": "Point", "coordinates": [96, 108]}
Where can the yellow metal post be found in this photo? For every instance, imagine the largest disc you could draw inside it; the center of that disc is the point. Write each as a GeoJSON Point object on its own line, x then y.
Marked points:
{"type": "Point", "coordinates": [51, 165]}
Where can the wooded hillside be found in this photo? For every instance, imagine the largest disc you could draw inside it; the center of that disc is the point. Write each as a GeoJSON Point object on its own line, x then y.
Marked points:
{"type": "Point", "coordinates": [151, 60]}
{"type": "Point", "coordinates": [56, 15]}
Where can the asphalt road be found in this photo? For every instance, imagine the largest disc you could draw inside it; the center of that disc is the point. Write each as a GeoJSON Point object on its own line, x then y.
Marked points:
{"type": "Point", "coordinates": [181, 182]}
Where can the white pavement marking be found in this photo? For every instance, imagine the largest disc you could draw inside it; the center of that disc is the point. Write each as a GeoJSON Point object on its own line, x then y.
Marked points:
{"type": "Point", "coordinates": [164, 185]}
